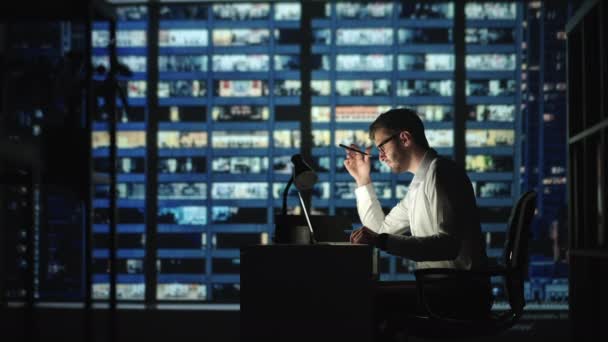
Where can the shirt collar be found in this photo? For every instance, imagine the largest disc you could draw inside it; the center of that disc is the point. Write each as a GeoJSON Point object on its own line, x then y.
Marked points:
{"type": "Point", "coordinates": [428, 157]}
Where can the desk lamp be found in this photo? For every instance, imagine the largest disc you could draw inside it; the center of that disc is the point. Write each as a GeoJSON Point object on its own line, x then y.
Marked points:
{"type": "Point", "coordinates": [304, 178]}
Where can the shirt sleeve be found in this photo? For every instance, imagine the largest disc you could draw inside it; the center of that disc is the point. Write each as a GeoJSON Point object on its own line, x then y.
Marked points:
{"type": "Point", "coordinates": [371, 214]}
{"type": "Point", "coordinates": [442, 190]}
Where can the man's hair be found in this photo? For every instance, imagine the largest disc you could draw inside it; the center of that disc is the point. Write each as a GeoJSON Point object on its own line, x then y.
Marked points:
{"type": "Point", "coordinates": [401, 119]}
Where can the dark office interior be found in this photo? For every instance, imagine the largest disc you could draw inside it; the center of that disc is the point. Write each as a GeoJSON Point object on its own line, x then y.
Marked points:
{"type": "Point", "coordinates": [147, 156]}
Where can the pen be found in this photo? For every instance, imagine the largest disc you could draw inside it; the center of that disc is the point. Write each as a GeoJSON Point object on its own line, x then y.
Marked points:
{"type": "Point", "coordinates": [352, 149]}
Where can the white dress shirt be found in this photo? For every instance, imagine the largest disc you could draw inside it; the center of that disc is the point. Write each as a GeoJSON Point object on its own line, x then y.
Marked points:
{"type": "Point", "coordinates": [440, 212]}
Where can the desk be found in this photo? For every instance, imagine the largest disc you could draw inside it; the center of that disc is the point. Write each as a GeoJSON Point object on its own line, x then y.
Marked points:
{"type": "Point", "coordinates": [307, 292]}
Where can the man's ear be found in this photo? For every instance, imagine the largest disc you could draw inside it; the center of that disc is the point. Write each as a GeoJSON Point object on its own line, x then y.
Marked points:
{"type": "Point", "coordinates": [406, 138]}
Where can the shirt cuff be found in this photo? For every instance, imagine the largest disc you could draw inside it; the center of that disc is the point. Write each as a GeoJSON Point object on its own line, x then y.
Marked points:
{"type": "Point", "coordinates": [381, 241]}
{"type": "Point", "coordinates": [365, 192]}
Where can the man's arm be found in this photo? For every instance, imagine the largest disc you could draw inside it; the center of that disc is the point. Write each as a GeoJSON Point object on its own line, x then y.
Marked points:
{"type": "Point", "coordinates": [368, 206]}
{"type": "Point", "coordinates": [443, 190]}
{"type": "Point", "coordinates": [372, 216]}
{"type": "Point", "coordinates": [426, 248]}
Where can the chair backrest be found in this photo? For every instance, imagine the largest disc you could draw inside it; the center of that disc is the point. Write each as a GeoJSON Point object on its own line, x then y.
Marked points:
{"type": "Point", "coordinates": [516, 249]}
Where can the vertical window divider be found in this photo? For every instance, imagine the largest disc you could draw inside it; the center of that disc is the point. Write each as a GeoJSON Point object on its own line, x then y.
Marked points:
{"type": "Point", "coordinates": [305, 93]}
{"type": "Point", "coordinates": [394, 180]}
{"type": "Point", "coordinates": [518, 143]}
{"type": "Point", "coordinates": [209, 151]}
{"type": "Point", "coordinates": [113, 205]}
{"type": "Point", "coordinates": [458, 31]}
{"type": "Point", "coordinates": [89, 109]}
{"type": "Point", "coordinates": [151, 170]}
{"type": "Point", "coordinates": [332, 125]}
{"type": "Point", "coordinates": [271, 124]}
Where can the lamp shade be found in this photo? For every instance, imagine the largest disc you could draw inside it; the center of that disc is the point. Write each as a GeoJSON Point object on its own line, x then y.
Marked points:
{"type": "Point", "coordinates": [304, 177]}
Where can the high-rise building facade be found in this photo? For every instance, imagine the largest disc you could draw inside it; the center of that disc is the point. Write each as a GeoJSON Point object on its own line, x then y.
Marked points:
{"type": "Point", "coordinates": [544, 149]}
{"type": "Point", "coordinates": [211, 109]}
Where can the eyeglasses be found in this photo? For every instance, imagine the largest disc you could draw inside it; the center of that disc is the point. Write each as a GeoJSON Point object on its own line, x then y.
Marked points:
{"type": "Point", "coordinates": [380, 145]}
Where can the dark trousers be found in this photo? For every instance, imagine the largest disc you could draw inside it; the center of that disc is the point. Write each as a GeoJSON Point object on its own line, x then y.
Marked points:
{"type": "Point", "coordinates": [393, 301]}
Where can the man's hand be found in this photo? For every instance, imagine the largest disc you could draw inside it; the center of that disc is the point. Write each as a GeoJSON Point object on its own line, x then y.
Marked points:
{"type": "Point", "coordinates": [364, 235]}
{"type": "Point", "coordinates": [359, 165]}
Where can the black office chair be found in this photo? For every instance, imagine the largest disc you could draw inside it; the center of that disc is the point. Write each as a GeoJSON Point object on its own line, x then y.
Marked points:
{"type": "Point", "coordinates": [433, 325]}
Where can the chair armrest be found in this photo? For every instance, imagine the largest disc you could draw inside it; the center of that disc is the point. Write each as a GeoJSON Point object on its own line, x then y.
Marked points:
{"type": "Point", "coordinates": [442, 273]}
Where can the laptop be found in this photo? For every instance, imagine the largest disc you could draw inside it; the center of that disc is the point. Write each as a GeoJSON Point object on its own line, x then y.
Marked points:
{"type": "Point", "coordinates": [313, 240]}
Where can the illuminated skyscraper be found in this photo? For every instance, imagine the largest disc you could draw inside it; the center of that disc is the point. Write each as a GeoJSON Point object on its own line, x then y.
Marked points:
{"type": "Point", "coordinates": [544, 149]}
{"type": "Point", "coordinates": [213, 109]}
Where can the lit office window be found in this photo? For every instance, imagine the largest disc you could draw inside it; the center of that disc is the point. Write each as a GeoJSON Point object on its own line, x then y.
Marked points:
{"type": "Point", "coordinates": [354, 10]}
{"type": "Point", "coordinates": [364, 62]}
{"type": "Point", "coordinates": [364, 84]}
{"type": "Point", "coordinates": [363, 114]}
{"type": "Point", "coordinates": [483, 112]}
{"type": "Point", "coordinates": [428, 62]}
{"type": "Point", "coordinates": [240, 113]}
{"type": "Point", "coordinates": [489, 36]}
{"type": "Point", "coordinates": [182, 88]}
{"type": "Point", "coordinates": [182, 63]}
{"type": "Point", "coordinates": [287, 11]}
{"type": "Point", "coordinates": [425, 36]}
{"type": "Point", "coordinates": [425, 88]}
{"type": "Point", "coordinates": [491, 10]}
{"type": "Point", "coordinates": [485, 87]}
{"type": "Point", "coordinates": [426, 10]}
{"type": "Point", "coordinates": [369, 36]}
{"type": "Point", "coordinates": [240, 88]}
{"type": "Point", "coordinates": [229, 109]}
{"type": "Point", "coordinates": [490, 61]}
{"type": "Point", "coordinates": [240, 37]}
{"type": "Point", "coordinates": [491, 189]}
{"type": "Point", "coordinates": [182, 38]}
{"type": "Point", "coordinates": [489, 163]}
{"type": "Point", "coordinates": [493, 105]}
{"type": "Point", "coordinates": [240, 63]}
{"type": "Point", "coordinates": [381, 87]}
{"type": "Point", "coordinates": [241, 11]}
{"type": "Point", "coordinates": [229, 87]}
{"type": "Point", "coordinates": [131, 40]}
{"type": "Point", "coordinates": [430, 113]}
{"type": "Point", "coordinates": [490, 137]}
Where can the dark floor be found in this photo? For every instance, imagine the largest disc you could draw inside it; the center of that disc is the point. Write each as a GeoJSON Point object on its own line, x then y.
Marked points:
{"type": "Point", "coordinates": [66, 325]}
{"type": "Point", "coordinates": [534, 326]}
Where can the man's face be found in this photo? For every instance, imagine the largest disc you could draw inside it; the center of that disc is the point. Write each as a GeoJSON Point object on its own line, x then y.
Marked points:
{"type": "Point", "coordinates": [393, 152]}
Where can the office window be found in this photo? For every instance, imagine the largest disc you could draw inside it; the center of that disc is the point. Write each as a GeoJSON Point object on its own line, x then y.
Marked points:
{"type": "Point", "coordinates": [229, 110]}
{"type": "Point", "coordinates": [491, 87]}
{"type": "Point", "coordinates": [182, 63]}
{"type": "Point", "coordinates": [428, 62]}
{"type": "Point", "coordinates": [131, 40]}
{"type": "Point", "coordinates": [425, 88]}
{"type": "Point", "coordinates": [353, 10]}
{"type": "Point", "coordinates": [426, 10]}
{"type": "Point", "coordinates": [489, 36]}
{"type": "Point", "coordinates": [243, 113]}
{"type": "Point", "coordinates": [241, 11]}
{"type": "Point", "coordinates": [231, 63]}
{"type": "Point", "coordinates": [483, 112]}
{"type": "Point", "coordinates": [425, 36]}
{"type": "Point", "coordinates": [364, 114]}
{"type": "Point", "coordinates": [182, 38]}
{"type": "Point", "coordinates": [491, 10]}
{"type": "Point", "coordinates": [240, 37]}
{"type": "Point", "coordinates": [369, 36]}
{"type": "Point", "coordinates": [490, 61]}
{"type": "Point", "coordinates": [287, 11]}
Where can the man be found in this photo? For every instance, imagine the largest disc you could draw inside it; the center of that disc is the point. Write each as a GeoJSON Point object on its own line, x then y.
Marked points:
{"type": "Point", "coordinates": [436, 224]}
